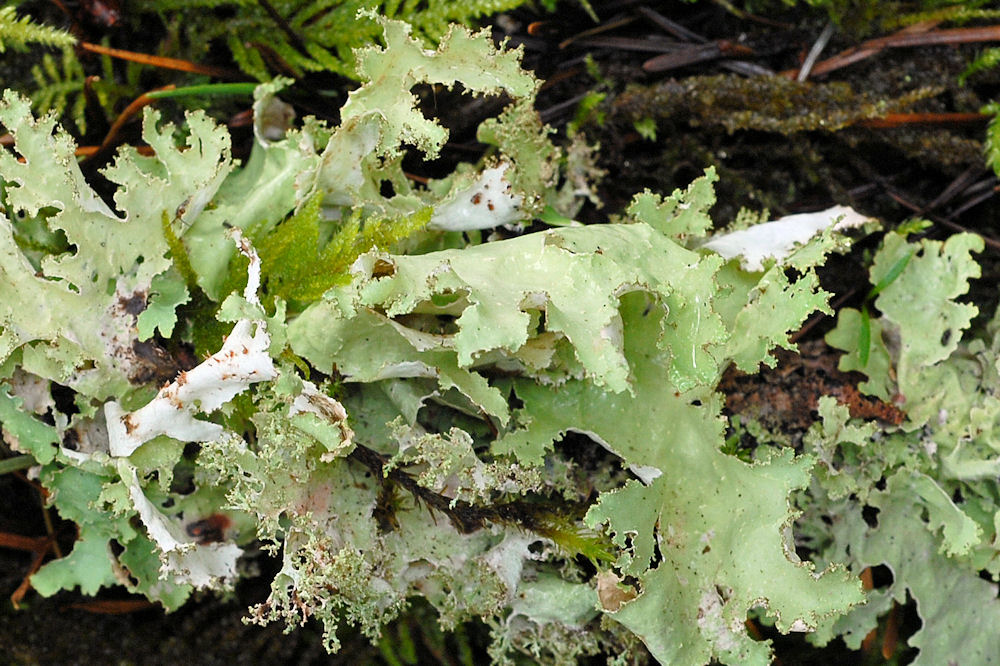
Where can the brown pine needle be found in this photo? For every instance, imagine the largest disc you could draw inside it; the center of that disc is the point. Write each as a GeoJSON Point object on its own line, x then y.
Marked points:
{"type": "Point", "coordinates": [111, 137]}
{"type": "Point", "coordinates": [166, 63]}
{"type": "Point", "coordinates": [863, 50]}
{"type": "Point", "coordinates": [114, 606]}
{"type": "Point", "coordinates": [901, 119]}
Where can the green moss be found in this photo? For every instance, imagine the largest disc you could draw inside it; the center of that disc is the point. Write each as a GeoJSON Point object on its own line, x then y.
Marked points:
{"type": "Point", "coordinates": [770, 104]}
{"type": "Point", "coordinates": [298, 268]}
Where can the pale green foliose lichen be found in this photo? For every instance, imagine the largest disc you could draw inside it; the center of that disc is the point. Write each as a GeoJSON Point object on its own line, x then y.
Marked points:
{"type": "Point", "coordinates": [932, 480]}
{"type": "Point", "coordinates": [419, 457]}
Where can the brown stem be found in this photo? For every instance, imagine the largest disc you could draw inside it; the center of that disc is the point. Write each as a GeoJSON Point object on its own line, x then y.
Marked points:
{"type": "Point", "coordinates": [466, 517]}
{"type": "Point", "coordinates": [166, 63]}
{"type": "Point", "coordinates": [293, 36]}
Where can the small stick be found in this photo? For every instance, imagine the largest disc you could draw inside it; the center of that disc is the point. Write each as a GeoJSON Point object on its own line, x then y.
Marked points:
{"type": "Point", "coordinates": [159, 61]}
{"type": "Point", "coordinates": [675, 29]}
{"type": "Point", "coordinates": [984, 33]}
{"type": "Point", "coordinates": [696, 54]}
{"type": "Point", "coordinates": [954, 226]}
{"type": "Point", "coordinates": [133, 108]}
{"type": "Point", "coordinates": [114, 606]}
{"type": "Point", "coordinates": [957, 186]}
{"type": "Point", "coordinates": [858, 53]}
{"type": "Point", "coordinates": [285, 27]}
{"type": "Point", "coordinates": [596, 31]}
{"type": "Point", "coordinates": [899, 119]}
{"type": "Point", "coordinates": [817, 48]}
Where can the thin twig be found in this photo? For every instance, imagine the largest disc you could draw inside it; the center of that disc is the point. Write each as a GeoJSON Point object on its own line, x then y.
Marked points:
{"type": "Point", "coordinates": [114, 606]}
{"type": "Point", "coordinates": [25, 543]}
{"type": "Point", "coordinates": [900, 119]}
{"type": "Point", "coordinates": [22, 589]}
{"type": "Point", "coordinates": [675, 29]}
{"type": "Point", "coordinates": [598, 30]}
{"type": "Point", "coordinates": [50, 529]}
{"type": "Point", "coordinates": [957, 186]}
{"type": "Point", "coordinates": [633, 44]}
{"type": "Point", "coordinates": [88, 152]}
{"type": "Point", "coordinates": [914, 35]}
{"type": "Point", "coordinates": [131, 110]}
{"type": "Point", "coordinates": [975, 201]}
{"type": "Point", "coordinates": [696, 54]}
{"type": "Point", "coordinates": [815, 51]}
{"type": "Point", "coordinates": [739, 13]}
{"type": "Point", "coordinates": [820, 316]}
{"type": "Point", "coordinates": [680, 32]}
{"type": "Point", "coordinates": [293, 36]}
{"type": "Point", "coordinates": [945, 221]}
{"type": "Point", "coordinates": [984, 33]}
{"type": "Point", "coordinates": [548, 114]}
{"type": "Point", "coordinates": [160, 61]}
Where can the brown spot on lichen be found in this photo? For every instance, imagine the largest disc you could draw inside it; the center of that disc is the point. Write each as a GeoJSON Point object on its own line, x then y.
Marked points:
{"type": "Point", "coordinates": [134, 304]}
{"type": "Point", "coordinates": [129, 423]}
{"type": "Point", "coordinates": [71, 439]}
{"type": "Point", "coordinates": [383, 268]}
{"type": "Point", "coordinates": [611, 593]}
{"type": "Point", "coordinates": [173, 399]}
{"type": "Point", "coordinates": [211, 529]}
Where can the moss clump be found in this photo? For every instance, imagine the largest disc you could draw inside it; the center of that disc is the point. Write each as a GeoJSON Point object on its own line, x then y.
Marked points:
{"type": "Point", "coordinates": [766, 103]}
